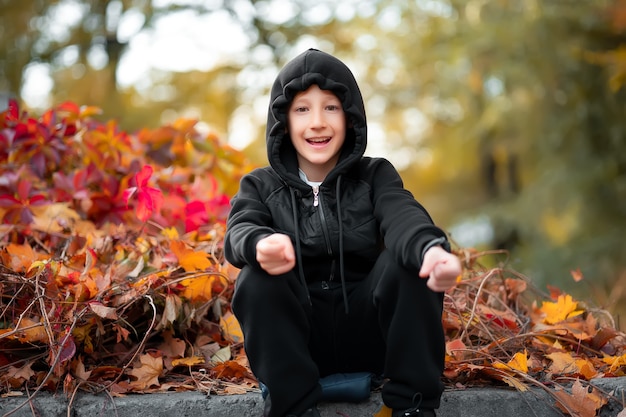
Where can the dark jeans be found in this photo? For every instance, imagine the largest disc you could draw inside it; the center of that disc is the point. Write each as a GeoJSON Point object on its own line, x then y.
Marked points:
{"type": "Point", "coordinates": [393, 328]}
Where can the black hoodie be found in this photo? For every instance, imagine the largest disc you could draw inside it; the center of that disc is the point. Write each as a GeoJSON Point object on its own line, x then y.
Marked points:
{"type": "Point", "coordinates": [363, 206]}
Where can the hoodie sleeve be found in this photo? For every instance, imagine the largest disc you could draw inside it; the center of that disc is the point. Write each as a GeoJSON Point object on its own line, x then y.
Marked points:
{"type": "Point", "coordinates": [248, 222]}
{"type": "Point", "coordinates": [407, 228]}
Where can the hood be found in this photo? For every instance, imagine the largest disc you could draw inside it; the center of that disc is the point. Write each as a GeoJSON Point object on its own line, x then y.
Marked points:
{"type": "Point", "coordinates": [329, 73]}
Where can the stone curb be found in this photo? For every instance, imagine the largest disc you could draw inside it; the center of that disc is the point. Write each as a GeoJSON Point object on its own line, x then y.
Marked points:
{"type": "Point", "coordinates": [471, 402]}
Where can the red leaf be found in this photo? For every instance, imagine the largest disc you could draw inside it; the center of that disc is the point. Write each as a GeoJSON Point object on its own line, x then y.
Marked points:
{"type": "Point", "coordinates": [195, 215]}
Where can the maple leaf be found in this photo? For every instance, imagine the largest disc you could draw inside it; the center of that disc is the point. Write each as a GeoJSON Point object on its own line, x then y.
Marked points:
{"type": "Point", "coordinates": [580, 401]}
{"type": "Point", "coordinates": [563, 308]}
{"type": "Point", "coordinates": [190, 260]}
{"type": "Point", "coordinates": [54, 217]}
{"type": "Point", "coordinates": [519, 362]}
{"type": "Point", "coordinates": [172, 347]}
{"type": "Point", "coordinates": [21, 374]}
{"type": "Point", "coordinates": [565, 364]}
{"type": "Point", "coordinates": [149, 199]}
{"type": "Point", "coordinates": [20, 257]}
{"type": "Point", "coordinates": [198, 288]}
{"type": "Point", "coordinates": [148, 373]}
{"type": "Point", "coordinates": [229, 370]}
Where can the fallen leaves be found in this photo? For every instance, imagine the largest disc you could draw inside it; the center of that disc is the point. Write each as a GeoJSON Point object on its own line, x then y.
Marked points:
{"type": "Point", "coordinates": [113, 277]}
{"type": "Point", "coordinates": [111, 270]}
{"type": "Point", "coordinates": [497, 334]}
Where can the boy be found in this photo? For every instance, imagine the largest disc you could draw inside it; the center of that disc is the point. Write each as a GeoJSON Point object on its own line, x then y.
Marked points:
{"type": "Point", "coordinates": [331, 248]}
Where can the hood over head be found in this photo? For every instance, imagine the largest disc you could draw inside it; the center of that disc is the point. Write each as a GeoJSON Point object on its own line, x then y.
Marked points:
{"type": "Point", "coordinates": [329, 73]}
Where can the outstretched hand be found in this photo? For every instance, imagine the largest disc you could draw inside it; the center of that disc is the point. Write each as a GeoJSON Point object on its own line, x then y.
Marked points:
{"type": "Point", "coordinates": [441, 268]}
{"type": "Point", "coordinates": [275, 254]}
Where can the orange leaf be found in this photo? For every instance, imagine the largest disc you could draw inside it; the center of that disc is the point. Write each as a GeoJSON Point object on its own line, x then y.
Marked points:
{"type": "Point", "coordinates": [31, 331]}
{"type": "Point", "coordinates": [563, 308]}
{"type": "Point", "coordinates": [577, 275]}
{"type": "Point", "coordinates": [20, 257]}
{"type": "Point", "coordinates": [456, 348]}
{"type": "Point", "coordinates": [190, 260]}
{"type": "Point", "coordinates": [229, 369]}
{"type": "Point", "coordinates": [148, 373]}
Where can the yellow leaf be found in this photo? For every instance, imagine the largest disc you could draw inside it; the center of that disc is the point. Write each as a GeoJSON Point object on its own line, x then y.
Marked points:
{"type": "Point", "coordinates": [194, 360]}
{"type": "Point", "coordinates": [563, 308]}
{"type": "Point", "coordinates": [170, 233]}
{"type": "Point", "coordinates": [198, 288]}
{"type": "Point", "coordinates": [519, 362]}
{"type": "Point", "coordinates": [190, 260]}
{"type": "Point", "coordinates": [615, 362]}
{"type": "Point", "coordinates": [231, 328]}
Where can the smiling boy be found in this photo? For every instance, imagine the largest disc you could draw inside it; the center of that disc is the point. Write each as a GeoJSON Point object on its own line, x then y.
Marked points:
{"type": "Point", "coordinates": [341, 269]}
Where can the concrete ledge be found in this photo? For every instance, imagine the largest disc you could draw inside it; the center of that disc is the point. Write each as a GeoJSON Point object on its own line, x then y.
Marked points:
{"type": "Point", "coordinates": [473, 402]}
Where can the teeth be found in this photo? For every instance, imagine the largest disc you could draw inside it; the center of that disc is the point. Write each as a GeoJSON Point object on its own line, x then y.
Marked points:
{"type": "Point", "coordinates": [319, 140]}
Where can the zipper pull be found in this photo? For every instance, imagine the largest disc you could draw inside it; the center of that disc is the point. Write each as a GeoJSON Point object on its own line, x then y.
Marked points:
{"type": "Point", "coordinates": [316, 193]}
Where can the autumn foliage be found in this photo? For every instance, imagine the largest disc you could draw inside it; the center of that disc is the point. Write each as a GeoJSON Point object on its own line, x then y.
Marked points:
{"type": "Point", "coordinates": [112, 276]}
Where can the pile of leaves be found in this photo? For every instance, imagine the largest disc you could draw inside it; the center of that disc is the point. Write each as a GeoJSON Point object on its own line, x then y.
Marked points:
{"type": "Point", "coordinates": [112, 277]}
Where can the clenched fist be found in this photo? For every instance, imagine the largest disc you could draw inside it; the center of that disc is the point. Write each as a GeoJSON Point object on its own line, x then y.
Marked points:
{"type": "Point", "coordinates": [275, 254]}
{"type": "Point", "coordinates": [441, 268]}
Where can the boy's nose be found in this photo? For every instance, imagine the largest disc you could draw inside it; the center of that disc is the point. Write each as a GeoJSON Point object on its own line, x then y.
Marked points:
{"type": "Point", "coordinates": [318, 119]}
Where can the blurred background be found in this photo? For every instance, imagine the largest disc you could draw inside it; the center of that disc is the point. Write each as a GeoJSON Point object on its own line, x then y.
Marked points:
{"type": "Point", "coordinates": [506, 118]}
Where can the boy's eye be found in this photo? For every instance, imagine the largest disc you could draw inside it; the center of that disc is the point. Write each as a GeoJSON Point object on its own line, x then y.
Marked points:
{"type": "Point", "coordinates": [333, 107]}
{"type": "Point", "coordinates": [300, 109]}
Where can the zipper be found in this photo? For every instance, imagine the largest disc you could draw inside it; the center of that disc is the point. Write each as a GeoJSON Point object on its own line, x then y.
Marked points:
{"type": "Point", "coordinates": [316, 203]}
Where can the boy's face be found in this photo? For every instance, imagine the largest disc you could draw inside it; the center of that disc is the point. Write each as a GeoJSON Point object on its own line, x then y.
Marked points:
{"type": "Point", "coordinates": [317, 126]}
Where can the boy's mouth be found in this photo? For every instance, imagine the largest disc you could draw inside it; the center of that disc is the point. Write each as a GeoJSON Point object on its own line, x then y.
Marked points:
{"type": "Point", "coordinates": [318, 141]}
